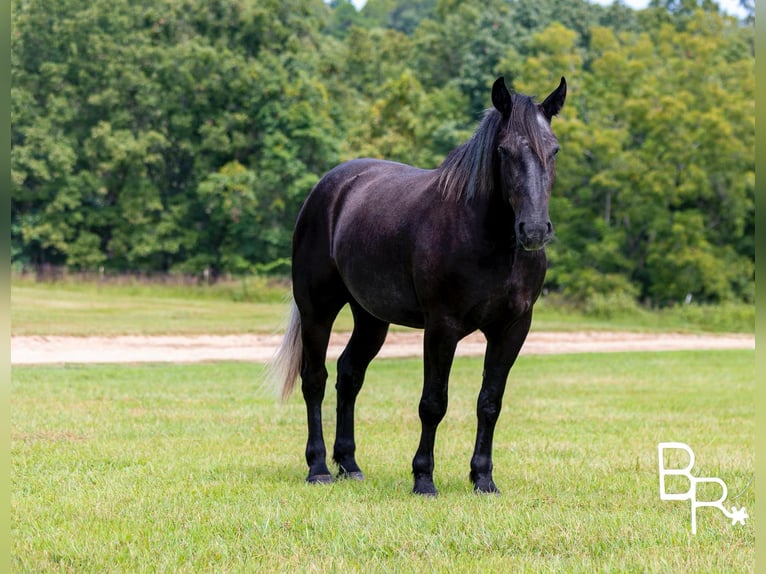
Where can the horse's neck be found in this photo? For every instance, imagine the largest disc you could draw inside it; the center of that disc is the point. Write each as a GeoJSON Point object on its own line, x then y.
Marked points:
{"type": "Point", "coordinates": [498, 220]}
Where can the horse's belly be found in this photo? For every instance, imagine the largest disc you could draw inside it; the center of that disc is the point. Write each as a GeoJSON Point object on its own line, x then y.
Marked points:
{"type": "Point", "coordinates": [396, 315]}
{"type": "Point", "coordinates": [388, 294]}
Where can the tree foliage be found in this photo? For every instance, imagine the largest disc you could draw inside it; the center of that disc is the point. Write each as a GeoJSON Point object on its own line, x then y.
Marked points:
{"type": "Point", "coordinates": [182, 136]}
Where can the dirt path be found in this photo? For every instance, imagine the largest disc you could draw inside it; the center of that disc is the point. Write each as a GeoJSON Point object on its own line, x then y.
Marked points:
{"type": "Point", "coordinates": [260, 348]}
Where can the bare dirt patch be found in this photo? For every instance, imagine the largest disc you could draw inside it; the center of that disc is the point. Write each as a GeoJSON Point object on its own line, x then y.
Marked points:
{"type": "Point", "coordinates": [260, 348]}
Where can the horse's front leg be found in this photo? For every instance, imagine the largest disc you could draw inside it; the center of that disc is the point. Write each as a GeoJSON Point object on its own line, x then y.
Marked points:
{"type": "Point", "coordinates": [438, 352]}
{"type": "Point", "coordinates": [503, 346]}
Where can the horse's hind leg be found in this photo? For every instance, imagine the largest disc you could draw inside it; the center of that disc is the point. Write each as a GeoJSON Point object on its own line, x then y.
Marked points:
{"type": "Point", "coordinates": [366, 340]}
{"type": "Point", "coordinates": [317, 317]}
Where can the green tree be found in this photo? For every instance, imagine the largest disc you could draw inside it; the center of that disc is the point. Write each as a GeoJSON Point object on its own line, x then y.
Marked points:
{"type": "Point", "coordinates": [656, 175]}
{"type": "Point", "coordinates": [182, 136]}
{"type": "Point", "coordinates": [122, 110]}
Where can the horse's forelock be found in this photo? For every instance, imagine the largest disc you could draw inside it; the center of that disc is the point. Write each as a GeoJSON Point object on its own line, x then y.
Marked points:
{"type": "Point", "coordinates": [468, 171]}
{"type": "Point", "coordinates": [525, 121]}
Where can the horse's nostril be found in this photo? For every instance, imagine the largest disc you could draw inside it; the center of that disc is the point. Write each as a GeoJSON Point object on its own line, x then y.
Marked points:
{"type": "Point", "coordinates": [535, 228]}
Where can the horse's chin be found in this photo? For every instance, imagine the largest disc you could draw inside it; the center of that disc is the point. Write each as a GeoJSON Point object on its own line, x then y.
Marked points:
{"type": "Point", "coordinates": [532, 246]}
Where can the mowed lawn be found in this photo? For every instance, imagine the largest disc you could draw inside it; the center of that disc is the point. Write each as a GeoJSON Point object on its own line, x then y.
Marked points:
{"type": "Point", "coordinates": [255, 306]}
{"type": "Point", "coordinates": [87, 310]}
{"type": "Point", "coordinates": [194, 468]}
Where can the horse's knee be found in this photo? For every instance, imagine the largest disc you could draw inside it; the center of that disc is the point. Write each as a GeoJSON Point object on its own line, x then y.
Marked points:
{"type": "Point", "coordinates": [348, 387]}
{"type": "Point", "coordinates": [489, 410]}
{"type": "Point", "coordinates": [349, 381]}
{"type": "Point", "coordinates": [432, 410]}
{"type": "Point", "coordinates": [313, 382]}
{"type": "Point", "coordinates": [351, 369]}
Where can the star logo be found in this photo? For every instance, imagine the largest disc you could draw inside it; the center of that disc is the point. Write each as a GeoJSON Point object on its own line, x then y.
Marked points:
{"type": "Point", "coordinates": [738, 515]}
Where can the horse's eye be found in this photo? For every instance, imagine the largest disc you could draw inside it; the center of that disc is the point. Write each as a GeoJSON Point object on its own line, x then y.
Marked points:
{"type": "Point", "coordinates": [503, 151]}
{"type": "Point", "coordinates": [556, 151]}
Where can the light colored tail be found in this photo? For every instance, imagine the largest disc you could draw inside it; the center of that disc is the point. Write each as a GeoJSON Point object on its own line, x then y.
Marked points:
{"type": "Point", "coordinates": [285, 367]}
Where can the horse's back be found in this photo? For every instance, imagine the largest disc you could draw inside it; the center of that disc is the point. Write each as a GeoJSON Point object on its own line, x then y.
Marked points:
{"type": "Point", "coordinates": [360, 178]}
{"type": "Point", "coordinates": [360, 223]}
{"type": "Point", "coordinates": [362, 192]}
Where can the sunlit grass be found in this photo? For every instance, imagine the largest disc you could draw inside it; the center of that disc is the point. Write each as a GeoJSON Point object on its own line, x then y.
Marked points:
{"type": "Point", "coordinates": [258, 306]}
{"type": "Point", "coordinates": [192, 468]}
{"type": "Point", "coordinates": [41, 310]}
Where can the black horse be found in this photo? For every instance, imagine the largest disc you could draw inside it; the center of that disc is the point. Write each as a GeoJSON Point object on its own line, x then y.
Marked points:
{"type": "Point", "coordinates": [451, 250]}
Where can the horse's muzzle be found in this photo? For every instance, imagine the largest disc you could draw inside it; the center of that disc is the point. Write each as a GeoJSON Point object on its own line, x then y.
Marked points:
{"type": "Point", "coordinates": [533, 236]}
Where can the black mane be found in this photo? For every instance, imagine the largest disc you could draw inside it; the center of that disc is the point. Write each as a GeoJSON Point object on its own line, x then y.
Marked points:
{"type": "Point", "coordinates": [468, 171]}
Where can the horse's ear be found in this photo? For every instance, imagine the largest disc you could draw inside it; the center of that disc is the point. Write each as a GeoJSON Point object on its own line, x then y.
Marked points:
{"type": "Point", "coordinates": [501, 97]}
{"type": "Point", "coordinates": [555, 101]}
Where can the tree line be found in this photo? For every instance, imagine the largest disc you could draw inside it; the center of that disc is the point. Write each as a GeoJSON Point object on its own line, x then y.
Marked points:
{"type": "Point", "coordinates": [180, 136]}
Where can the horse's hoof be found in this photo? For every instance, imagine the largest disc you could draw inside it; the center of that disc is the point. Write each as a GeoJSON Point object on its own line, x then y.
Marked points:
{"type": "Point", "coordinates": [425, 488]}
{"type": "Point", "coordinates": [426, 493]}
{"type": "Point", "coordinates": [486, 488]}
{"type": "Point", "coordinates": [320, 479]}
{"type": "Point", "coordinates": [354, 475]}
{"type": "Point", "coordinates": [344, 474]}
{"type": "Point", "coordinates": [487, 492]}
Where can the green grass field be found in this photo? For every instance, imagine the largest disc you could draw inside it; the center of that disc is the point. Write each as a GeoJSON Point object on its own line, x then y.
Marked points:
{"type": "Point", "coordinates": [257, 306]}
{"type": "Point", "coordinates": [192, 468]}
{"type": "Point", "coordinates": [83, 309]}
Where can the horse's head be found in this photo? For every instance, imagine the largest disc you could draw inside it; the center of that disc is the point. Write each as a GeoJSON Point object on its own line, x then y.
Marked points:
{"type": "Point", "coordinates": [526, 151]}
